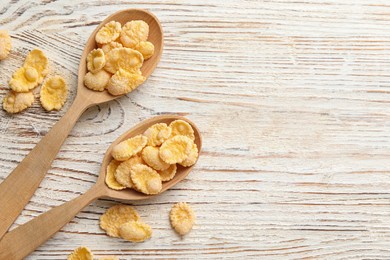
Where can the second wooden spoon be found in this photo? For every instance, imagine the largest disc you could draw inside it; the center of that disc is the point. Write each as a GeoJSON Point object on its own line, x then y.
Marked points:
{"type": "Point", "coordinates": [18, 243]}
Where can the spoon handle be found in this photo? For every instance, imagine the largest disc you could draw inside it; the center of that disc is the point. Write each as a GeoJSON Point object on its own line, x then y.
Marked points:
{"type": "Point", "coordinates": [24, 239]}
{"type": "Point", "coordinates": [17, 189]}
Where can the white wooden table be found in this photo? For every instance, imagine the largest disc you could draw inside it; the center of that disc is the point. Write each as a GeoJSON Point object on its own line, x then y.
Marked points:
{"type": "Point", "coordinates": [293, 100]}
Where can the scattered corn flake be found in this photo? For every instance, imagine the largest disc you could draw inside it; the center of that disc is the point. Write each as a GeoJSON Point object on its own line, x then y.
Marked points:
{"type": "Point", "coordinates": [192, 157]}
{"type": "Point", "coordinates": [110, 46]}
{"type": "Point", "coordinates": [108, 33]}
{"type": "Point", "coordinates": [54, 93]}
{"type": "Point", "coordinates": [135, 231]}
{"type": "Point", "coordinates": [157, 134]}
{"type": "Point", "coordinates": [97, 81]}
{"type": "Point", "coordinates": [182, 218]}
{"type": "Point", "coordinates": [15, 102]}
{"type": "Point", "coordinates": [146, 49]}
{"type": "Point", "coordinates": [81, 253]}
{"type": "Point", "coordinates": [150, 155]}
{"type": "Point", "coordinates": [24, 79]}
{"type": "Point", "coordinates": [110, 176]}
{"type": "Point", "coordinates": [5, 44]}
{"type": "Point", "coordinates": [123, 58]}
{"type": "Point", "coordinates": [134, 32]}
{"type": "Point", "coordinates": [115, 216]}
{"type": "Point", "coordinates": [124, 82]}
{"type": "Point", "coordinates": [37, 59]}
{"type": "Point", "coordinates": [109, 258]}
{"type": "Point", "coordinates": [181, 127]}
{"type": "Point", "coordinates": [145, 179]}
{"type": "Point", "coordinates": [96, 60]}
{"type": "Point", "coordinates": [176, 149]}
{"type": "Point", "coordinates": [126, 149]}
{"type": "Point", "coordinates": [168, 174]}
{"type": "Point", "coordinates": [122, 173]}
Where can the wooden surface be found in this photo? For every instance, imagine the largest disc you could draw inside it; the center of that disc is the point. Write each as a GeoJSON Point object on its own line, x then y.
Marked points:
{"type": "Point", "coordinates": [292, 99]}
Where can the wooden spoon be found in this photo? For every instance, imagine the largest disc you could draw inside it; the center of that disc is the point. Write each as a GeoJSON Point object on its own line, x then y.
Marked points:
{"type": "Point", "coordinates": [24, 239]}
{"type": "Point", "coordinates": [17, 189]}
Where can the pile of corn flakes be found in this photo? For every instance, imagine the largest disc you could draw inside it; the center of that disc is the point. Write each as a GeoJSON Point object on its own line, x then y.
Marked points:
{"type": "Point", "coordinates": [144, 161]}
{"type": "Point", "coordinates": [25, 79]}
{"type": "Point", "coordinates": [116, 64]}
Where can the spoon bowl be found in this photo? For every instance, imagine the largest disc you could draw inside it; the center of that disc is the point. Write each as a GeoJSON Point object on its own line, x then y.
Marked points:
{"type": "Point", "coordinates": [24, 239]}
{"type": "Point", "coordinates": [32, 169]}
{"type": "Point", "coordinates": [181, 173]}
{"type": "Point", "coordinates": [123, 16]}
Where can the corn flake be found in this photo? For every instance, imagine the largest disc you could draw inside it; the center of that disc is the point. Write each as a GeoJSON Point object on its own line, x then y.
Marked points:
{"type": "Point", "coordinates": [54, 93]}
{"type": "Point", "coordinates": [145, 179]}
{"type": "Point", "coordinates": [181, 127]}
{"type": "Point", "coordinates": [15, 102]}
{"type": "Point", "coordinates": [96, 60]}
{"type": "Point", "coordinates": [135, 231]}
{"type": "Point", "coordinates": [176, 149]}
{"type": "Point", "coordinates": [150, 155]}
{"type": "Point", "coordinates": [157, 134]}
{"type": "Point", "coordinates": [37, 59]}
{"type": "Point", "coordinates": [134, 32]}
{"type": "Point", "coordinates": [5, 44]}
{"type": "Point", "coordinates": [182, 218]}
{"type": "Point", "coordinates": [81, 253]}
{"type": "Point", "coordinates": [126, 149]}
{"type": "Point", "coordinates": [110, 46]}
{"type": "Point", "coordinates": [24, 79]}
{"type": "Point", "coordinates": [97, 81]}
{"type": "Point", "coordinates": [115, 216]}
{"type": "Point", "coordinates": [192, 157]}
{"type": "Point", "coordinates": [122, 173]}
{"type": "Point", "coordinates": [110, 176]}
{"type": "Point", "coordinates": [123, 58]}
{"type": "Point", "coordinates": [168, 174]}
{"type": "Point", "coordinates": [108, 33]}
{"type": "Point", "coordinates": [146, 49]}
{"type": "Point", "coordinates": [124, 82]}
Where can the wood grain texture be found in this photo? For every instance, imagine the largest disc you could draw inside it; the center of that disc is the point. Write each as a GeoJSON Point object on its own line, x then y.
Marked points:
{"type": "Point", "coordinates": [292, 99]}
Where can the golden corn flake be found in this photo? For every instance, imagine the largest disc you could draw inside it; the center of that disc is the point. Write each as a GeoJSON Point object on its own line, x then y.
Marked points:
{"type": "Point", "coordinates": [109, 258]}
{"type": "Point", "coordinates": [181, 127]}
{"type": "Point", "coordinates": [182, 218]}
{"type": "Point", "coordinates": [81, 253]}
{"type": "Point", "coordinates": [115, 216]}
{"type": "Point", "coordinates": [108, 33]}
{"type": "Point", "coordinates": [110, 176]}
{"type": "Point", "coordinates": [146, 49]}
{"type": "Point", "coordinates": [54, 93]}
{"type": "Point", "coordinates": [134, 32]}
{"type": "Point", "coordinates": [97, 81]}
{"type": "Point", "coordinates": [37, 59]}
{"type": "Point", "coordinates": [168, 174]}
{"type": "Point", "coordinates": [123, 58]}
{"type": "Point", "coordinates": [110, 46]}
{"type": "Point", "coordinates": [124, 82]}
{"type": "Point", "coordinates": [150, 155]}
{"type": "Point", "coordinates": [135, 231]}
{"type": "Point", "coordinates": [157, 134]}
{"type": "Point", "coordinates": [15, 102]}
{"type": "Point", "coordinates": [176, 149]}
{"type": "Point", "coordinates": [145, 179]}
{"type": "Point", "coordinates": [126, 149]}
{"type": "Point", "coordinates": [192, 157]}
{"type": "Point", "coordinates": [122, 173]}
{"type": "Point", "coordinates": [5, 44]}
{"type": "Point", "coordinates": [24, 79]}
{"type": "Point", "coordinates": [96, 60]}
